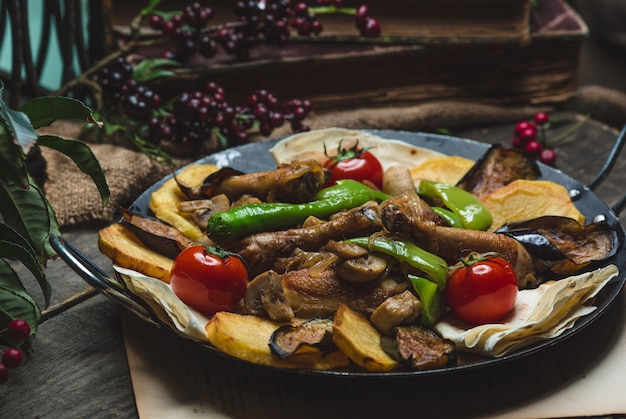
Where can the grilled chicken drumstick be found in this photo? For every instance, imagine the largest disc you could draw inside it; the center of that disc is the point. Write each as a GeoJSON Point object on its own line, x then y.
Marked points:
{"type": "Point", "coordinates": [261, 250]}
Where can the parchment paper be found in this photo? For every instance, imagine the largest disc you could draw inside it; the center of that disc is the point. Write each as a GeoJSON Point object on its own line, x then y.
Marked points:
{"type": "Point", "coordinates": [582, 376]}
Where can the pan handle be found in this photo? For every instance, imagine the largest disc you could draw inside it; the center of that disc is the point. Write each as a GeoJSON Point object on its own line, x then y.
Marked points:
{"type": "Point", "coordinates": [608, 166]}
{"type": "Point", "coordinates": [100, 280]}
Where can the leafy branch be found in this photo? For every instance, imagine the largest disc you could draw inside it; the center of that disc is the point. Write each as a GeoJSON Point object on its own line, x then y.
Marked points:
{"type": "Point", "coordinates": [27, 219]}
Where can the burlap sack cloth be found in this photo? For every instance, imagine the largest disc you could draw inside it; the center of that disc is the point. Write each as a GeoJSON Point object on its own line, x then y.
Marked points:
{"type": "Point", "coordinates": [76, 201]}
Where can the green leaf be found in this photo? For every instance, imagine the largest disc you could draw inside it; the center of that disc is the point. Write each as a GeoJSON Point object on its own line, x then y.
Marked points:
{"type": "Point", "coordinates": [53, 229]}
{"type": "Point", "coordinates": [15, 302]}
{"type": "Point", "coordinates": [9, 234]}
{"type": "Point", "coordinates": [15, 251]}
{"type": "Point", "coordinates": [152, 68]}
{"type": "Point", "coordinates": [26, 211]}
{"type": "Point", "coordinates": [43, 111]}
{"type": "Point", "coordinates": [19, 125]}
{"type": "Point", "coordinates": [12, 164]}
{"type": "Point", "coordinates": [84, 158]}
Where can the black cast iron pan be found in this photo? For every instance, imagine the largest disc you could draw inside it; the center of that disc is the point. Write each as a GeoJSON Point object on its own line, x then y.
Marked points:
{"type": "Point", "coordinates": [527, 372]}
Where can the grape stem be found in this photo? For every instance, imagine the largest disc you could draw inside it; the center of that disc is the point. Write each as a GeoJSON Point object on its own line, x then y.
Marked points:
{"type": "Point", "coordinates": [326, 10]}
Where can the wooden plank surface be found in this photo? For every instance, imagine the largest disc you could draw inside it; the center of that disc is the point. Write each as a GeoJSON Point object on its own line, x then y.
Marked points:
{"type": "Point", "coordinates": [79, 366]}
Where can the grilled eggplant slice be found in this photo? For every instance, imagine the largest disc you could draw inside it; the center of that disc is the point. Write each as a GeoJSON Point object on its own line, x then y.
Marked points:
{"type": "Point", "coordinates": [316, 332]}
{"type": "Point", "coordinates": [155, 234]}
{"type": "Point", "coordinates": [562, 244]}
{"type": "Point", "coordinates": [498, 167]}
{"type": "Point", "coordinates": [420, 348]}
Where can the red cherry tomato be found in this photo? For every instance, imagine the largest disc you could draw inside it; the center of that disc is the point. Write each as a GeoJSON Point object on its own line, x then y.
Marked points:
{"type": "Point", "coordinates": [354, 163]}
{"type": "Point", "coordinates": [209, 279]}
{"type": "Point", "coordinates": [482, 289]}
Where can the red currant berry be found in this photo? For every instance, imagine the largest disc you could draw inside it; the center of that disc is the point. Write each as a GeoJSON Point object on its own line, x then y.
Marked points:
{"type": "Point", "coordinates": [522, 125]}
{"type": "Point", "coordinates": [547, 156]}
{"type": "Point", "coordinates": [4, 373]}
{"type": "Point", "coordinates": [527, 135]}
{"type": "Point", "coordinates": [361, 14]}
{"type": "Point", "coordinates": [534, 147]}
{"type": "Point", "coordinates": [516, 142]}
{"type": "Point", "coordinates": [156, 22]}
{"type": "Point", "coordinates": [371, 28]}
{"type": "Point", "coordinates": [541, 118]}
{"type": "Point", "coordinates": [12, 358]}
{"type": "Point", "coordinates": [18, 331]}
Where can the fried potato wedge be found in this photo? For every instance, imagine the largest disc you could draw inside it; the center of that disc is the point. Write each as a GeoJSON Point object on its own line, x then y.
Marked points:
{"type": "Point", "coordinates": [447, 169]}
{"type": "Point", "coordinates": [247, 337]}
{"type": "Point", "coordinates": [164, 201]}
{"type": "Point", "coordinates": [123, 247]}
{"type": "Point", "coordinates": [523, 200]}
{"type": "Point", "coordinates": [360, 341]}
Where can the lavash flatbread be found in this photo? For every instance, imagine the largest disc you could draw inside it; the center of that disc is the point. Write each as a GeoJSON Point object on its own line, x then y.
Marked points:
{"type": "Point", "coordinates": [539, 314]}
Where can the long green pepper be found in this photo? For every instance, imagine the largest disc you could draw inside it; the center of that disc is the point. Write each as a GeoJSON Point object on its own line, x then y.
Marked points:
{"type": "Point", "coordinates": [229, 226]}
{"type": "Point", "coordinates": [473, 213]}
{"type": "Point", "coordinates": [430, 298]}
{"type": "Point", "coordinates": [432, 265]}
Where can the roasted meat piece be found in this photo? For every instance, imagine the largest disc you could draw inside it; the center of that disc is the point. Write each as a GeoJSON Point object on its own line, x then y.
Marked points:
{"type": "Point", "coordinates": [262, 250]}
{"type": "Point", "coordinates": [292, 183]}
{"type": "Point", "coordinates": [321, 294]}
{"type": "Point", "coordinates": [399, 212]}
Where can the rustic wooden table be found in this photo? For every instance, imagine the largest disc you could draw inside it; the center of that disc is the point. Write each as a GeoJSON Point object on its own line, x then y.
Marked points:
{"type": "Point", "coordinates": [79, 367]}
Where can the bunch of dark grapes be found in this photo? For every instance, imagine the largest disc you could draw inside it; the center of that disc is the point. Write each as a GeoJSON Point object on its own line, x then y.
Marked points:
{"type": "Point", "coordinates": [122, 92]}
{"type": "Point", "coordinates": [193, 118]}
{"type": "Point", "coordinates": [196, 116]}
{"type": "Point", "coordinates": [185, 29]}
{"type": "Point", "coordinates": [305, 21]}
{"type": "Point", "coordinates": [268, 20]}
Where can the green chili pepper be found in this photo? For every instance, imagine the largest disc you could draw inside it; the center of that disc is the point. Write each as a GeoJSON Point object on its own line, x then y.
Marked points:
{"type": "Point", "coordinates": [449, 217]}
{"type": "Point", "coordinates": [351, 187]}
{"type": "Point", "coordinates": [430, 298]}
{"type": "Point", "coordinates": [229, 226]}
{"type": "Point", "coordinates": [474, 215]}
{"type": "Point", "coordinates": [405, 251]}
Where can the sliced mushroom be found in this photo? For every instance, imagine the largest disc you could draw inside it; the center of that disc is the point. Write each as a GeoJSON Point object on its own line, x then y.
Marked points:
{"type": "Point", "coordinates": [253, 298]}
{"type": "Point", "coordinates": [264, 297]}
{"type": "Point", "coordinates": [346, 250]}
{"type": "Point", "coordinates": [364, 269]}
{"type": "Point", "coordinates": [202, 209]}
{"type": "Point", "coordinates": [404, 308]}
{"type": "Point", "coordinates": [274, 301]}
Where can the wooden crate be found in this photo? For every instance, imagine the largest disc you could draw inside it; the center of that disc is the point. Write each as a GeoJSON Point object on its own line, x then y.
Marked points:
{"type": "Point", "coordinates": [343, 70]}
